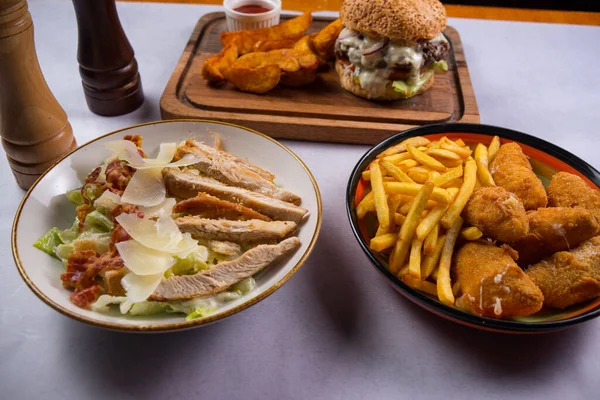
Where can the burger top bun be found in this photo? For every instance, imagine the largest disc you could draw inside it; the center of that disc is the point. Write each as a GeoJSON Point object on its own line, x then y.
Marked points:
{"type": "Point", "coordinates": [403, 20]}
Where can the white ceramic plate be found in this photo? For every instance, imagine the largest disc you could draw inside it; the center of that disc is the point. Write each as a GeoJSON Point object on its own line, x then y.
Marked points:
{"type": "Point", "coordinates": [45, 206]}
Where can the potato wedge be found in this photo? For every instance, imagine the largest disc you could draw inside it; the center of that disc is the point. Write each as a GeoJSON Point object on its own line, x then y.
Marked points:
{"type": "Point", "coordinates": [214, 68]}
{"type": "Point", "coordinates": [291, 29]}
{"type": "Point", "coordinates": [254, 80]}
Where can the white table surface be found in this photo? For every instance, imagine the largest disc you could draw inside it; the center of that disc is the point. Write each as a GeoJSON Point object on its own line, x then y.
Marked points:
{"type": "Point", "coordinates": [335, 330]}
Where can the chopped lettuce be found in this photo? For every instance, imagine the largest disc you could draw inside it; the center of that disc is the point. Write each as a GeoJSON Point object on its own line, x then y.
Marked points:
{"type": "Point", "coordinates": [190, 265]}
{"type": "Point", "coordinates": [75, 197]}
{"type": "Point", "coordinates": [97, 221]}
{"type": "Point", "coordinates": [192, 308]}
{"type": "Point", "coordinates": [440, 66]}
{"type": "Point", "coordinates": [410, 90]}
{"type": "Point", "coordinates": [89, 240]}
{"type": "Point", "coordinates": [244, 286]}
{"type": "Point", "coordinates": [49, 242]}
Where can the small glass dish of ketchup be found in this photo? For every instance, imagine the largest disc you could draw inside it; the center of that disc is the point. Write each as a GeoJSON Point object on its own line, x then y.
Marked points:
{"type": "Point", "coordinates": [251, 14]}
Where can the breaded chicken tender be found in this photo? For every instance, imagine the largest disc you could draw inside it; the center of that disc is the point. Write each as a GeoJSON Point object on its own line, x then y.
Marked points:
{"type": "Point", "coordinates": [555, 229]}
{"type": "Point", "coordinates": [512, 171]}
{"type": "Point", "coordinates": [569, 277]}
{"type": "Point", "coordinates": [568, 190]}
{"type": "Point", "coordinates": [492, 284]}
{"type": "Point", "coordinates": [497, 213]}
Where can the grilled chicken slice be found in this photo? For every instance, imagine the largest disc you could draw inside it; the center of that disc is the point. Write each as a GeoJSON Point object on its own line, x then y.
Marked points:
{"type": "Point", "coordinates": [223, 275]}
{"type": "Point", "coordinates": [235, 231]}
{"type": "Point", "coordinates": [223, 169]}
{"type": "Point", "coordinates": [207, 206]}
{"type": "Point", "coordinates": [193, 147]}
{"type": "Point", "coordinates": [186, 184]}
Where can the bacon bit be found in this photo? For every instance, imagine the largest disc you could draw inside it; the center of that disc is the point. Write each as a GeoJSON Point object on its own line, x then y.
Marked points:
{"type": "Point", "coordinates": [137, 140]}
{"type": "Point", "coordinates": [128, 209]}
{"type": "Point", "coordinates": [118, 235]}
{"type": "Point", "coordinates": [82, 212]}
{"type": "Point", "coordinates": [94, 175]}
{"type": "Point", "coordinates": [86, 297]}
{"type": "Point", "coordinates": [118, 175]}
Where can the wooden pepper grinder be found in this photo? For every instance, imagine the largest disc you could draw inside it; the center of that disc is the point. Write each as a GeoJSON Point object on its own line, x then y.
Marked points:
{"type": "Point", "coordinates": [34, 127]}
{"type": "Point", "coordinates": [107, 65]}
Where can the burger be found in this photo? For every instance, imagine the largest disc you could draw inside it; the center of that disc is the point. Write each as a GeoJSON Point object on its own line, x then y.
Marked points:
{"type": "Point", "coordinates": [390, 49]}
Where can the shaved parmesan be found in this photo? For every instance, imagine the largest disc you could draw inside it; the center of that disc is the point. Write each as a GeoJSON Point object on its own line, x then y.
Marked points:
{"type": "Point", "coordinates": [144, 261]}
{"type": "Point", "coordinates": [139, 287]}
{"type": "Point", "coordinates": [162, 235]}
{"type": "Point", "coordinates": [108, 200]}
{"type": "Point", "coordinates": [146, 188]}
{"type": "Point", "coordinates": [186, 160]}
{"type": "Point", "coordinates": [125, 150]}
{"type": "Point", "coordinates": [164, 208]}
{"type": "Point", "coordinates": [165, 154]}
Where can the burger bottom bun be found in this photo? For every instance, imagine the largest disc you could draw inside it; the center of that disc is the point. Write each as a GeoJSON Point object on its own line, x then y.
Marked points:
{"type": "Point", "coordinates": [347, 82]}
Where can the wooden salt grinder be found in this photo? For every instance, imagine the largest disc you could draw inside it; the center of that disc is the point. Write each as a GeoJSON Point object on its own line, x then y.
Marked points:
{"type": "Point", "coordinates": [34, 127]}
{"type": "Point", "coordinates": [108, 69]}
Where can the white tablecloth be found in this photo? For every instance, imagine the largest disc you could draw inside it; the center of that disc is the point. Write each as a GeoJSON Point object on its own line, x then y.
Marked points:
{"type": "Point", "coordinates": [336, 330]}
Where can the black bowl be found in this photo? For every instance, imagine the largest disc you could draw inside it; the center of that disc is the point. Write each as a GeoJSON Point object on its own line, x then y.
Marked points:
{"type": "Point", "coordinates": [552, 157]}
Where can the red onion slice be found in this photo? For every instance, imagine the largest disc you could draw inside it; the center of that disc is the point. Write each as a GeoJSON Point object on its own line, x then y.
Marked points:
{"type": "Point", "coordinates": [374, 49]}
{"type": "Point", "coordinates": [347, 33]}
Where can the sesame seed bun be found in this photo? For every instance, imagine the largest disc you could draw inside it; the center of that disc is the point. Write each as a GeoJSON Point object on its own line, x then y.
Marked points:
{"type": "Point", "coordinates": [348, 83]}
{"type": "Point", "coordinates": [408, 20]}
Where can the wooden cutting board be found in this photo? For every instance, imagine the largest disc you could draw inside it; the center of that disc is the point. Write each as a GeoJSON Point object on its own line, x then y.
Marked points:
{"type": "Point", "coordinates": [322, 111]}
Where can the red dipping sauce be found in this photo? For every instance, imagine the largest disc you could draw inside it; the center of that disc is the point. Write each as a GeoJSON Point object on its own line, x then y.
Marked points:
{"type": "Point", "coordinates": [252, 9]}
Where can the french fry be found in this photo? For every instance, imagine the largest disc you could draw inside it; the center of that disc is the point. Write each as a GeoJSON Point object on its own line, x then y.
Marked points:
{"type": "Point", "coordinates": [395, 172]}
{"type": "Point", "coordinates": [444, 286]}
{"type": "Point", "coordinates": [439, 195]}
{"type": "Point", "coordinates": [414, 260]}
{"type": "Point", "coordinates": [483, 172]}
{"type": "Point", "coordinates": [407, 164]}
{"type": "Point", "coordinates": [464, 152]}
{"type": "Point", "coordinates": [453, 212]}
{"type": "Point", "coordinates": [420, 169]}
{"type": "Point", "coordinates": [418, 176]}
{"type": "Point", "coordinates": [431, 261]}
{"type": "Point", "coordinates": [382, 242]}
{"type": "Point", "coordinates": [366, 204]}
{"type": "Point", "coordinates": [401, 147]}
{"type": "Point", "coordinates": [396, 158]}
{"type": "Point", "coordinates": [433, 175]}
{"type": "Point", "coordinates": [434, 274]}
{"type": "Point", "coordinates": [471, 233]}
{"type": "Point", "coordinates": [423, 286]}
{"type": "Point", "coordinates": [448, 176]}
{"type": "Point", "coordinates": [493, 148]}
{"type": "Point", "coordinates": [460, 142]}
{"type": "Point", "coordinates": [443, 153]}
{"type": "Point", "coordinates": [399, 219]}
{"type": "Point", "coordinates": [454, 183]}
{"type": "Point", "coordinates": [456, 289]}
{"type": "Point", "coordinates": [453, 192]}
{"type": "Point", "coordinates": [381, 231]}
{"type": "Point", "coordinates": [366, 175]}
{"type": "Point", "coordinates": [426, 160]}
{"type": "Point", "coordinates": [403, 271]}
{"type": "Point", "coordinates": [431, 220]}
{"type": "Point", "coordinates": [394, 202]}
{"type": "Point", "coordinates": [381, 204]}
{"type": "Point", "coordinates": [431, 240]}
{"type": "Point", "coordinates": [407, 231]}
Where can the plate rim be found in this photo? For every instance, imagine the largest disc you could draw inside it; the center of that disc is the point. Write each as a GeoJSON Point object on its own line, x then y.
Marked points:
{"type": "Point", "coordinates": [453, 314]}
{"type": "Point", "coordinates": [174, 326]}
